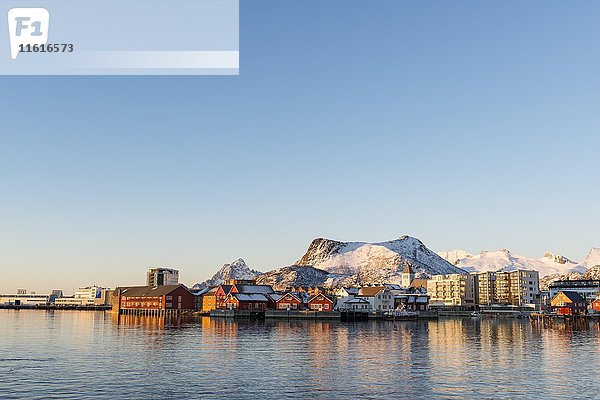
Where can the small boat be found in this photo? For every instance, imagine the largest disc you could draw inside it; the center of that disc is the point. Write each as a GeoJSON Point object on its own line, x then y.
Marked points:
{"type": "Point", "coordinates": [476, 314]}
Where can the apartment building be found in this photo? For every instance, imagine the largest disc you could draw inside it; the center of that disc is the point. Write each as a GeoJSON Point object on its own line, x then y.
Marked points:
{"type": "Point", "coordinates": [519, 287]}
{"type": "Point", "coordinates": [451, 289]}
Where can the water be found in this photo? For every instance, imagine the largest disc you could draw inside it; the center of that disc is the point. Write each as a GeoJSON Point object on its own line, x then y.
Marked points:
{"type": "Point", "coordinates": [89, 355]}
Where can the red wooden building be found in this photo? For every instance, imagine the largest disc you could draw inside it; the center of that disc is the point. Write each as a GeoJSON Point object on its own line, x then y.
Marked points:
{"type": "Point", "coordinates": [249, 302]}
{"type": "Point", "coordinates": [153, 300]}
{"type": "Point", "coordinates": [568, 303]}
{"type": "Point", "coordinates": [596, 306]}
{"type": "Point", "coordinates": [289, 301]}
{"type": "Point", "coordinates": [320, 302]}
{"type": "Point", "coordinates": [221, 295]}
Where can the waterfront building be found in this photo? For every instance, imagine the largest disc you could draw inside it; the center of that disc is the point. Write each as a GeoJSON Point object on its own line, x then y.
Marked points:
{"type": "Point", "coordinates": [289, 301]}
{"type": "Point", "coordinates": [222, 293]}
{"type": "Point", "coordinates": [595, 306]}
{"type": "Point", "coordinates": [357, 304]}
{"type": "Point", "coordinates": [199, 297]}
{"type": "Point", "coordinates": [320, 302]}
{"type": "Point", "coordinates": [344, 294]}
{"type": "Point", "coordinates": [209, 299]}
{"type": "Point", "coordinates": [162, 276]}
{"type": "Point", "coordinates": [411, 302]}
{"type": "Point", "coordinates": [587, 288]}
{"type": "Point", "coordinates": [153, 300]}
{"type": "Point", "coordinates": [568, 303]}
{"type": "Point", "coordinates": [380, 297]}
{"type": "Point", "coordinates": [22, 298]}
{"type": "Point", "coordinates": [517, 288]}
{"type": "Point", "coordinates": [247, 301]}
{"type": "Point", "coordinates": [451, 289]}
{"type": "Point", "coordinates": [86, 296]}
{"type": "Point", "coordinates": [221, 296]}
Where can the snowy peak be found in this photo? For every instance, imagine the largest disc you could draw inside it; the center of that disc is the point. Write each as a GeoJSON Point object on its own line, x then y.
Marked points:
{"type": "Point", "coordinates": [381, 262]}
{"type": "Point", "coordinates": [592, 259]}
{"type": "Point", "coordinates": [557, 258]}
{"type": "Point", "coordinates": [454, 256]}
{"type": "Point", "coordinates": [503, 259]}
{"type": "Point", "coordinates": [238, 269]}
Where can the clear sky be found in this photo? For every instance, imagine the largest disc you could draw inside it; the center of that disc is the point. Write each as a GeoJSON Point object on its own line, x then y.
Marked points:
{"type": "Point", "coordinates": [467, 124]}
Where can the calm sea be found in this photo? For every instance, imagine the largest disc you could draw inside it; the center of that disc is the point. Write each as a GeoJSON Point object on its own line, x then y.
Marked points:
{"type": "Point", "coordinates": [90, 355]}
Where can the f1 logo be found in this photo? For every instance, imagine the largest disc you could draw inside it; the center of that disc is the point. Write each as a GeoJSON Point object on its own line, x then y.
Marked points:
{"type": "Point", "coordinates": [27, 26]}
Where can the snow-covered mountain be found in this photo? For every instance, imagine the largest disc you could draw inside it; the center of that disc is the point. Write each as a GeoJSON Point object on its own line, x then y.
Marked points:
{"type": "Point", "coordinates": [453, 256]}
{"type": "Point", "coordinates": [365, 263]}
{"type": "Point", "coordinates": [592, 259]}
{"type": "Point", "coordinates": [330, 263]}
{"type": "Point", "coordinates": [294, 275]}
{"type": "Point", "coordinates": [236, 270]}
{"type": "Point", "coordinates": [549, 264]}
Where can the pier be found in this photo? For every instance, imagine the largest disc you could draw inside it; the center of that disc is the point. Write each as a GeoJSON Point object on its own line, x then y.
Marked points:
{"type": "Point", "coordinates": [559, 320]}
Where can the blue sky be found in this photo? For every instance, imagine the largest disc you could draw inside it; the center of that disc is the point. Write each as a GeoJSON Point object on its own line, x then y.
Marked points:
{"type": "Point", "coordinates": [469, 125]}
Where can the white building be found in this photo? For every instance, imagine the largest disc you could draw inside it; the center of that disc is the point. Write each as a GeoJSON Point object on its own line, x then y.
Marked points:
{"type": "Point", "coordinates": [162, 276]}
{"type": "Point", "coordinates": [380, 297]}
{"type": "Point", "coordinates": [356, 305]}
{"type": "Point", "coordinates": [22, 298]}
{"type": "Point", "coordinates": [86, 296]}
{"type": "Point", "coordinates": [518, 288]}
{"type": "Point", "coordinates": [343, 295]}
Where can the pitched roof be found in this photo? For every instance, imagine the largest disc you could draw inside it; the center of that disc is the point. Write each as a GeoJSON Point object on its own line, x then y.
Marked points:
{"type": "Point", "coordinates": [148, 291]}
{"type": "Point", "coordinates": [226, 288]}
{"type": "Point", "coordinates": [357, 300]}
{"type": "Point", "coordinates": [294, 295]}
{"type": "Point", "coordinates": [212, 291]}
{"type": "Point", "coordinates": [200, 292]}
{"type": "Point", "coordinates": [418, 283]}
{"type": "Point", "coordinates": [352, 290]}
{"type": "Point", "coordinates": [370, 291]}
{"type": "Point", "coordinates": [263, 289]}
{"type": "Point", "coordinates": [320, 295]}
{"type": "Point", "coordinates": [250, 297]}
{"type": "Point", "coordinates": [573, 296]}
{"type": "Point", "coordinates": [275, 296]}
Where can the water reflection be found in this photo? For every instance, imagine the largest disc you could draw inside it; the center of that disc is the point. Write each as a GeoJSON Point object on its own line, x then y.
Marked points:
{"type": "Point", "coordinates": [157, 358]}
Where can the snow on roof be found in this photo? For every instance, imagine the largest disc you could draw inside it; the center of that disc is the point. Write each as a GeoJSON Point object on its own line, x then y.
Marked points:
{"type": "Point", "coordinates": [263, 289]}
{"type": "Point", "coordinates": [250, 297]}
{"type": "Point", "coordinates": [275, 296]}
{"type": "Point", "coordinates": [358, 300]}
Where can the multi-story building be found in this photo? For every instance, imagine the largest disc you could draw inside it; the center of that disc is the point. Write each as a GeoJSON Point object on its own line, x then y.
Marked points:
{"type": "Point", "coordinates": [162, 276]}
{"type": "Point", "coordinates": [485, 287]}
{"type": "Point", "coordinates": [451, 289]}
{"type": "Point", "coordinates": [86, 296]}
{"type": "Point", "coordinates": [588, 289]}
{"type": "Point", "coordinates": [517, 288]}
{"type": "Point", "coordinates": [524, 287]}
{"type": "Point", "coordinates": [153, 300]}
{"type": "Point", "coordinates": [380, 298]}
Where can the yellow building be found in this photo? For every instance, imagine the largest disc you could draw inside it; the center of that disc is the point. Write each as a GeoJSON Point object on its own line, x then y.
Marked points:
{"type": "Point", "coordinates": [451, 290]}
{"type": "Point", "coordinates": [209, 300]}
